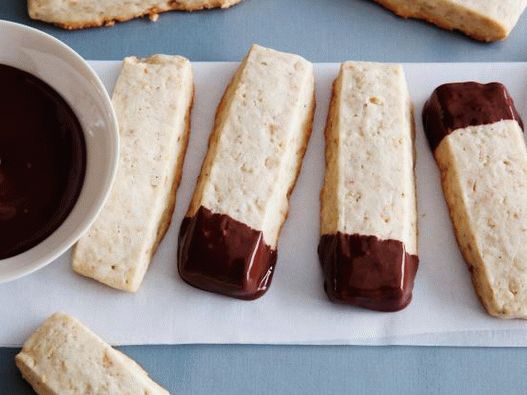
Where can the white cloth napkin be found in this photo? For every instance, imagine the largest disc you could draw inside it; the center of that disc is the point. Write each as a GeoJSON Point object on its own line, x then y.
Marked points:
{"type": "Point", "coordinates": [445, 310]}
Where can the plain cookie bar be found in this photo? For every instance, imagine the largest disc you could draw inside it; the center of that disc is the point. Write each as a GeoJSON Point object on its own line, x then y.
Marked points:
{"type": "Point", "coordinates": [152, 100]}
{"type": "Point", "coordinates": [79, 14]}
{"type": "Point", "coordinates": [476, 135]}
{"type": "Point", "coordinates": [484, 20]}
{"type": "Point", "coordinates": [228, 239]}
{"type": "Point", "coordinates": [368, 244]}
{"type": "Point", "coordinates": [63, 357]}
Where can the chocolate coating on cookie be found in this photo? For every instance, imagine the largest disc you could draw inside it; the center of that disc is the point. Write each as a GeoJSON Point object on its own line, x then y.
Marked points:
{"type": "Point", "coordinates": [366, 271]}
{"type": "Point", "coordinates": [459, 105]}
{"type": "Point", "coordinates": [216, 253]}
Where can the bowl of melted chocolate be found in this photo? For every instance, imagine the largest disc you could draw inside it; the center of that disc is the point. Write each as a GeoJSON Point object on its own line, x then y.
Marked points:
{"type": "Point", "coordinates": [58, 148]}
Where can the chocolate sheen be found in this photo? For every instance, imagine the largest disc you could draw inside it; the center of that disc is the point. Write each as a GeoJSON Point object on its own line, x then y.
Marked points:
{"type": "Point", "coordinates": [459, 105]}
{"type": "Point", "coordinates": [219, 254]}
{"type": "Point", "coordinates": [42, 160]}
{"type": "Point", "coordinates": [366, 271]}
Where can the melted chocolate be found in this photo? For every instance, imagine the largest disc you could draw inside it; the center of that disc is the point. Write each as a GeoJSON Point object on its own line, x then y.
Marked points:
{"type": "Point", "coordinates": [367, 272]}
{"type": "Point", "coordinates": [42, 160]}
{"type": "Point", "coordinates": [459, 105]}
{"type": "Point", "coordinates": [219, 254]}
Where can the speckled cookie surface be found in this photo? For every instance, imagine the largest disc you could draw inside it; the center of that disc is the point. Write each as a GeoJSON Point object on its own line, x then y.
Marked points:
{"type": "Point", "coordinates": [485, 20]}
{"type": "Point", "coordinates": [261, 132]}
{"type": "Point", "coordinates": [484, 176]}
{"type": "Point", "coordinates": [78, 14]}
{"type": "Point", "coordinates": [63, 357]}
{"type": "Point", "coordinates": [369, 186]}
{"type": "Point", "coordinates": [152, 100]}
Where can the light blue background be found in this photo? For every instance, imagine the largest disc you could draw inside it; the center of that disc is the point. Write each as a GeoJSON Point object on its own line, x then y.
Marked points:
{"type": "Point", "coordinates": [321, 30]}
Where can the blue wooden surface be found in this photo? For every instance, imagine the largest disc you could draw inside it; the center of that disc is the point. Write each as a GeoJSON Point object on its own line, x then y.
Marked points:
{"type": "Point", "coordinates": [321, 30]}
{"type": "Point", "coordinates": [318, 370]}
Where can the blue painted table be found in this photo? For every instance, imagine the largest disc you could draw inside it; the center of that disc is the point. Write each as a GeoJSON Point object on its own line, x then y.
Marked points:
{"type": "Point", "coordinates": [322, 31]}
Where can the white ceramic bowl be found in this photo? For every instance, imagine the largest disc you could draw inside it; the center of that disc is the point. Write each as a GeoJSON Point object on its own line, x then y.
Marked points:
{"type": "Point", "coordinates": [62, 68]}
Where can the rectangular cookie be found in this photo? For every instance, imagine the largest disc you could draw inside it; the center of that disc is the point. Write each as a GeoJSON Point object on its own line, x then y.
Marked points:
{"type": "Point", "coordinates": [476, 136]}
{"type": "Point", "coordinates": [368, 244]}
{"type": "Point", "coordinates": [152, 100]}
{"type": "Point", "coordinates": [484, 20]}
{"type": "Point", "coordinates": [73, 14]}
{"type": "Point", "coordinates": [228, 239]}
{"type": "Point", "coordinates": [63, 357]}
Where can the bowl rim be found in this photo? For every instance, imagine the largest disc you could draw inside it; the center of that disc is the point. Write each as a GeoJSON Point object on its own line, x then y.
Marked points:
{"type": "Point", "coordinates": [87, 221]}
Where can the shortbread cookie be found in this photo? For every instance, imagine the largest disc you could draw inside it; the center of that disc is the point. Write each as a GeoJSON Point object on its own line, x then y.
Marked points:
{"type": "Point", "coordinates": [368, 245]}
{"type": "Point", "coordinates": [79, 14]}
{"type": "Point", "coordinates": [477, 140]}
{"type": "Point", "coordinates": [152, 100]}
{"type": "Point", "coordinates": [63, 357]}
{"type": "Point", "coordinates": [228, 239]}
{"type": "Point", "coordinates": [485, 20]}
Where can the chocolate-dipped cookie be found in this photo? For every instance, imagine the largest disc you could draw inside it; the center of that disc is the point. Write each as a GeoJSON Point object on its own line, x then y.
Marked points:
{"type": "Point", "coordinates": [368, 245]}
{"type": "Point", "coordinates": [476, 136]}
{"type": "Point", "coordinates": [228, 239]}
